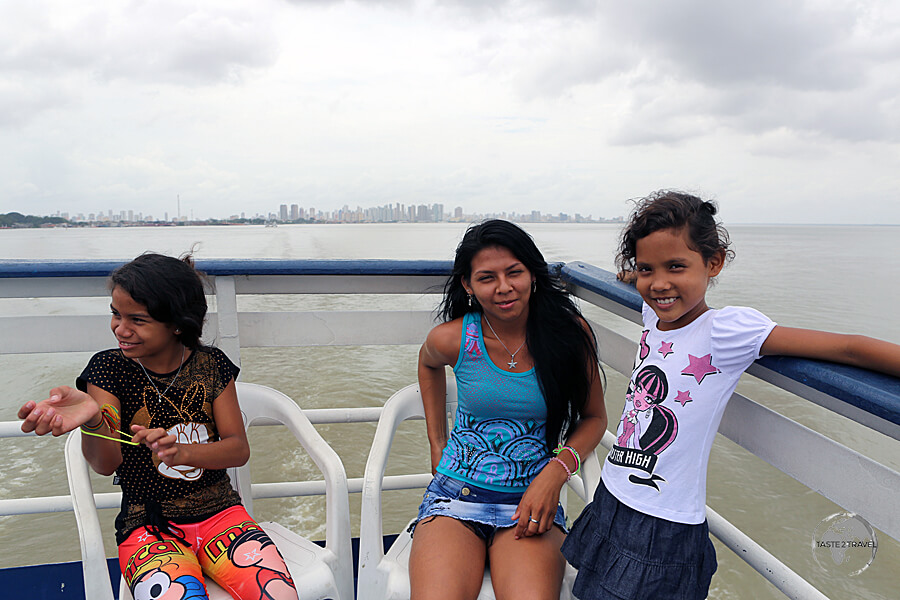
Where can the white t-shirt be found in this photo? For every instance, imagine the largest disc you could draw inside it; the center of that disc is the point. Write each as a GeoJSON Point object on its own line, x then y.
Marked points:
{"type": "Point", "coordinates": [680, 385]}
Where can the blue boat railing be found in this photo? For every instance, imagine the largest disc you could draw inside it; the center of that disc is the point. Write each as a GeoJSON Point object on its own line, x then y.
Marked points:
{"type": "Point", "coordinates": [851, 480]}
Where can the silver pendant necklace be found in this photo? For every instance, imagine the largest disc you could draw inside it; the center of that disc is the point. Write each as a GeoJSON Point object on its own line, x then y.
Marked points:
{"type": "Point", "coordinates": [176, 375]}
{"type": "Point", "coordinates": [512, 355]}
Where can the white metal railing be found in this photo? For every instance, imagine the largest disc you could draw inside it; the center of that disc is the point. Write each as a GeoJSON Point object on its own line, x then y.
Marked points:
{"type": "Point", "coordinates": [863, 486]}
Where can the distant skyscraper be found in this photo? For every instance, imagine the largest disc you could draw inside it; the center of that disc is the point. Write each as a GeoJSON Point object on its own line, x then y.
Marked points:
{"type": "Point", "coordinates": [284, 212]}
{"type": "Point", "coordinates": [295, 212]}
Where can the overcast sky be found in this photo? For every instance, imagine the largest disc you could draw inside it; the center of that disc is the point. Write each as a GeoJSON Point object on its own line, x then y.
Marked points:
{"type": "Point", "coordinates": [781, 110]}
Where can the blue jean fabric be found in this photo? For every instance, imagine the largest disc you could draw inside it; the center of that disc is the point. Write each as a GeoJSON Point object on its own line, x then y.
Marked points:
{"type": "Point", "coordinates": [623, 554]}
{"type": "Point", "coordinates": [483, 511]}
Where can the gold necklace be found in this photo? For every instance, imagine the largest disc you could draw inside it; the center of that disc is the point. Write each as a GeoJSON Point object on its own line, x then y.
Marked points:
{"type": "Point", "coordinates": [176, 374]}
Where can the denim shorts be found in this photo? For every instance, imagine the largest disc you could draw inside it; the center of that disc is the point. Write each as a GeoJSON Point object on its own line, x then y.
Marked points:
{"type": "Point", "coordinates": [481, 510]}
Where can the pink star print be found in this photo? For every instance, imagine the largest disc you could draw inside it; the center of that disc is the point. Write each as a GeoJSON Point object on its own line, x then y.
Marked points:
{"type": "Point", "coordinates": [699, 367]}
{"type": "Point", "coordinates": [665, 349]}
{"type": "Point", "coordinates": [683, 397]}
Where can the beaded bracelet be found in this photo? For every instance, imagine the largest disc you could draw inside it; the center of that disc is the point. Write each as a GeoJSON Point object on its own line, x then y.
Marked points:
{"type": "Point", "coordinates": [109, 416]}
{"type": "Point", "coordinates": [565, 466]}
{"type": "Point", "coordinates": [88, 428]}
{"type": "Point", "coordinates": [575, 456]}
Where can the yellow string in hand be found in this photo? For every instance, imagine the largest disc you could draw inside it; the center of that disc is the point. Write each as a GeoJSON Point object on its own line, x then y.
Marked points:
{"type": "Point", "coordinates": [106, 437]}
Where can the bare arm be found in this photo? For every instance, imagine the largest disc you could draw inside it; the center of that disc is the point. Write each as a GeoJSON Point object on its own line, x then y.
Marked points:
{"type": "Point", "coordinates": [232, 449]}
{"type": "Point", "coordinates": [439, 350]}
{"type": "Point", "coordinates": [855, 350]}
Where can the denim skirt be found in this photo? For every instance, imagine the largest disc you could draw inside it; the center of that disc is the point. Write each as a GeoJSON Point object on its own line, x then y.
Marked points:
{"type": "Point", "coordinates": [622, 554]}
{"type": "Point", "coordinates": [484, 511]}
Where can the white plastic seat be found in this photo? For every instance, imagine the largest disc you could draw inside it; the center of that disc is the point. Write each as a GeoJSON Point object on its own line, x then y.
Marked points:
{"type": "Point", "coordinates": [385, 576]}
{"type": "Point", "coordinates": [317, 572]}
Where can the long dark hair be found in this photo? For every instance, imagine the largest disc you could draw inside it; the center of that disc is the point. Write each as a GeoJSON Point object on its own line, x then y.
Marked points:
{"type": "Point", "coordinates": [170, 288]}
{"type": "Point", "coordinates": [564, 352]}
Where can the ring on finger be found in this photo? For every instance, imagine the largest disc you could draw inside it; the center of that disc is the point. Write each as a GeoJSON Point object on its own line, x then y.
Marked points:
{"type": "Point", "coordinates": [533, 520]}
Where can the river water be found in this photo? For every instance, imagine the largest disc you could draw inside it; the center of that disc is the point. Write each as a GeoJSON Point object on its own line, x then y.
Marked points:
{"type": "Point", "coordinates": [839, 278]}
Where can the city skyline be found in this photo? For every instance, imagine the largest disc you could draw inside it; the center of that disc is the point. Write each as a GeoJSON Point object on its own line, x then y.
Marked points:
{"type": "Point", "coordinates": [396, 213]}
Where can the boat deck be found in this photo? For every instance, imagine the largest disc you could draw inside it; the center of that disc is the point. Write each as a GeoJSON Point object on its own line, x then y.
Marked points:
{"type": "Point", "coordinates": [241, 320]}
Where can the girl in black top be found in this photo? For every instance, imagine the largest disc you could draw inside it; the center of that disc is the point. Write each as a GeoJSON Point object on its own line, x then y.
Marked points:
{"type": "Point", "coordinates": [182, 430]}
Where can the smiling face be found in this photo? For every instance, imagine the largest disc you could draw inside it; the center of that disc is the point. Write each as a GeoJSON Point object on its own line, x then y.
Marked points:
{"type": "Point", "coordinates": [141, 336]}
{"type": "Point", "coordinates": [672, 277]}
{"type": "Point", "coordinates": [500, 283]}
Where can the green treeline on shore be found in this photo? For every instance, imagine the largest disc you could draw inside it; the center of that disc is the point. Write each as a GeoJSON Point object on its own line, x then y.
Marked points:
{"type": "Point", "coordinates": [15, 219]}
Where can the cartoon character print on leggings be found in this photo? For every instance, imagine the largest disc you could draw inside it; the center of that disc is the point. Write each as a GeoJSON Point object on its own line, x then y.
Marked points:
{"type": "Point", "coordinates": [159, 581]}
{"type": "Point", "coordinates": [253, 549]}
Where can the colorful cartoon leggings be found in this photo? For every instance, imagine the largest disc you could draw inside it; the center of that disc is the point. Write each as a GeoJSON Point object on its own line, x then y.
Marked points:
{"type": "Point", "coordinates": [229, 547]}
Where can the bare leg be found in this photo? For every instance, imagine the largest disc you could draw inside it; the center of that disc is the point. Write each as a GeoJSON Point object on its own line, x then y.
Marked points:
{"type": "Point", "coordinates": [446, 561]}
{"type": "Point", "coordinates": [528, 567]}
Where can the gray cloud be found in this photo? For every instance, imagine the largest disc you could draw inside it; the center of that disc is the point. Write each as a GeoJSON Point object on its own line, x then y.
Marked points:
{"type": "Point", "coordinates": [687, 67]}
{"type": "Point", "coordinates": [162, 42]}
{"type": "Point", "coordinates": [784, 65]}
{"type": "Point", "coordinates": [20, 103]}
{"type": "Point", "coordinates": [791, 44]}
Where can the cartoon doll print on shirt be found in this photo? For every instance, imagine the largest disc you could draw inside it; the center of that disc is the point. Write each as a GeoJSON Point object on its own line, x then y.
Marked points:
{"type": "Point", "coordinates": [648, 426]}
{"type": "Point", "coordinates": [649, 423]}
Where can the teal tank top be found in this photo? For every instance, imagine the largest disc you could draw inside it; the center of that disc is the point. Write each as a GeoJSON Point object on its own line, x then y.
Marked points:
{"type": "Point", "coordinates": [498, 439]}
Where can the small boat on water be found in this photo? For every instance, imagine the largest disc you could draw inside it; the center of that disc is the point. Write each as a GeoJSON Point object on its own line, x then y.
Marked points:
{"type": "Point", "coordinates": [857, 483]}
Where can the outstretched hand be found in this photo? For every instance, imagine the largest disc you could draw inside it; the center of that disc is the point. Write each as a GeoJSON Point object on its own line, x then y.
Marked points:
{"type": "Point", "coordinates": [63, 411]}
{"type": "Point", "coordinates": [163, 443]}
{"type": "Point", "coordinates": [537, 508]}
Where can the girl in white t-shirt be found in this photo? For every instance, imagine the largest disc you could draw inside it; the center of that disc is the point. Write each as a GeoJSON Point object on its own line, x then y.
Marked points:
{"type": "Point", "coordinates": [645, 535]}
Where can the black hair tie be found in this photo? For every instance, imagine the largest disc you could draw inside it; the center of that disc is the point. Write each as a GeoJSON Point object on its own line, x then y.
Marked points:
{"type": "Point", "coordinates": [157, 524]}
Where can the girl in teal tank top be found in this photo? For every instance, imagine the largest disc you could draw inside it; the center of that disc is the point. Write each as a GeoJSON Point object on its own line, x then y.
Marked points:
{"type": "Point", "coordinates": [528, 383]}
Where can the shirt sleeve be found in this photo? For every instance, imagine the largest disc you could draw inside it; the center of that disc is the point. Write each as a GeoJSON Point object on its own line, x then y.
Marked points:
{"type": "Point", "coordinates": [738, 334]}
{"type": "Point", "coordinates": [227, 369]}
{"type": "Point", "coordinates": [101, 371]}
{"type": "Point", "coordinates": [647, 315]}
